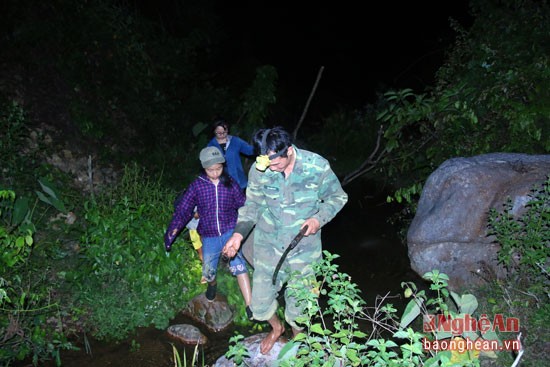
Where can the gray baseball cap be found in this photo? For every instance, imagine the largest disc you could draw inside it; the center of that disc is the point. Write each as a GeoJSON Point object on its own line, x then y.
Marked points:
{"type": "Point", "coordinates": [210, 156]}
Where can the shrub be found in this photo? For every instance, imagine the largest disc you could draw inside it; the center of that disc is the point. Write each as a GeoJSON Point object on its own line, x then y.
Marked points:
{"type": "Point", "coordinates": [124, 259]}
{"type": "Point", "coordinates": [334, 312]}
{"type": "Point", "coordinates": [524, 240]}
{"type": "Point", "coordinates": [24, 298]}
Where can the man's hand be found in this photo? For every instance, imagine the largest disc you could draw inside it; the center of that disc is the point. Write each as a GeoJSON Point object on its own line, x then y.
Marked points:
{"type": "Point", "coordinates": [232, 245]}
{"type": "Point", "coordinates": [313, 225]}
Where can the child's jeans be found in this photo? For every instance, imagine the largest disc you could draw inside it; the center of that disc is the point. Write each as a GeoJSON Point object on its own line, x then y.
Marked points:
{"type": "Point", "coordinates": [211, 252]}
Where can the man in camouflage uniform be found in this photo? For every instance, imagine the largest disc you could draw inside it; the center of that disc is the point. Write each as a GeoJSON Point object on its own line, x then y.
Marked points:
{"type": "Point", "coordinates": [299, 189]}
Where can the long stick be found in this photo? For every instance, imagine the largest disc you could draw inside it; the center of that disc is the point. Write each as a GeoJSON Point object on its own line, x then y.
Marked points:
{"type": "Point", "coordinates": [308, 102]}
{"type": "Point", "coordinates": [293, 244]}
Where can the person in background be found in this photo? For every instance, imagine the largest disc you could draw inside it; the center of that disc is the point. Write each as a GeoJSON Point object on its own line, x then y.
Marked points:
{"type": "Point", "coordinates": [299, 189]}
{"type": "Point", "coordinates": [232, 148]}
{"type": "Point", "coordinates": [217, 197]}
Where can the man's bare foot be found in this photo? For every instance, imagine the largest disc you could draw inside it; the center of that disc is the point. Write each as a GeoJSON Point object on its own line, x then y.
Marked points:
{"type": "Point", "coordinates": [267, 343]}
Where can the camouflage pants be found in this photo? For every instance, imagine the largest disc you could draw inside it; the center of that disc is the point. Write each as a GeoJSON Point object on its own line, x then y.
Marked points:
{"type": "Point", "coordinates": [296, 270]}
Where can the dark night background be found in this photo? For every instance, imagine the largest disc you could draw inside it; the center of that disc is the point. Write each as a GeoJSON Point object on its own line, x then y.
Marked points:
{"type": "Point", "coordinates": [102, 86]}
{"type": "Point", "coordinates": [365, 47]}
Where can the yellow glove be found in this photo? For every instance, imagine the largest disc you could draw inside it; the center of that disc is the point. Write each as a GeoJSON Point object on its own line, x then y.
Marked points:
{"type": "Point", "coordinates": [195, 239]}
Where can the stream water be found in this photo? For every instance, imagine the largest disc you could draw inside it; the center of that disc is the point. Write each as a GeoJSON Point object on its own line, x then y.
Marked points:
{"type": "Point", "coordinates": [370, 252]}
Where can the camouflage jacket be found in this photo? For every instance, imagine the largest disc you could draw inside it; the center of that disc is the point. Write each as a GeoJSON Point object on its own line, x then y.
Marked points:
{"type": "Point", "coordinates": [278, 206]}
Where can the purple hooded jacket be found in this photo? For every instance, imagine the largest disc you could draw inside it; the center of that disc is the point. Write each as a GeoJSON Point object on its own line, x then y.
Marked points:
{"type": "Point", "coordinates": [217, 206]}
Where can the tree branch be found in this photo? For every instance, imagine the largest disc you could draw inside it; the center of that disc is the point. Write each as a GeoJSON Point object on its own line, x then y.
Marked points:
{"type": "Point", "coordinates": [295, 133]}
{"type": "Point", "coordinates": [369, 163]}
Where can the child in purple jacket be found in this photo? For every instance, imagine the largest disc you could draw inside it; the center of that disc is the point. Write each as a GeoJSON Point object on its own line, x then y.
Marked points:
{"type": "Point", "coordinates": [217, 197]}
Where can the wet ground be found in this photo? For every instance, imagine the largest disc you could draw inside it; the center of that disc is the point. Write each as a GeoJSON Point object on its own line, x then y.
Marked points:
{"type": "Point", "coordinates": [371, 253]}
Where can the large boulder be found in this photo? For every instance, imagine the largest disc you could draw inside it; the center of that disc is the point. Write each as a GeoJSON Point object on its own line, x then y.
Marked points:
{"type": "Point", "coordinates": [449, 230]}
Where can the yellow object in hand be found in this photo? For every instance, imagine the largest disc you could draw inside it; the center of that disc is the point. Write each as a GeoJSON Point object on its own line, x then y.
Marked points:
{"type": "Point", "coordinates": [195, 239]}
{"type": "Point", "coordinates": [262, 162]}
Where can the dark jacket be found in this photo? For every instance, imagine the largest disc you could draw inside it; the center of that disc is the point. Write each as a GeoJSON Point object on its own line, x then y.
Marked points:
{"type": "Point", "coordinates": [217, 206]}
{"type": "Point", "coordinates": [234, 148]}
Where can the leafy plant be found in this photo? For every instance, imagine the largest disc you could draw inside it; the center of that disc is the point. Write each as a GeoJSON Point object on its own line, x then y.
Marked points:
{"type": "Point", "coordinates": [237, 352]}
{"type": "Point", "coordinates": [194, 360]}
{"type": "Point", "coordinates": [12, 128]}
{"type": "Point", "coordinates": [490, 95]}
{"type": "Point", "coordinates": [124, 260]}
{"type": "Point", "coordinates": [257, 99]}
{"type": "Point", "coordinates": [16, 236]}
{"type": "Point", "coordinates": [350, 132]}
{"type": "Point", "coordinates": [50, 196]}
{"type": "Point", "coordinates": [335, 311]}
{"type": "Point", "coordinates": [525, 239]}
{"type": "Point", "coordinates": [25, 306]}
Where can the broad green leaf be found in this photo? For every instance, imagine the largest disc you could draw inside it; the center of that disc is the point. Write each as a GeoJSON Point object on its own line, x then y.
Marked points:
{"type": "Point", "coordinates": [359, 334]}
{"type": "Point", "coordinates": [491, 335]}
{"type": "Point", "coordinates": [58, 204]}
{"type": "Point", "coordinates": [443, 335]}
{"type": "Point", "coordinates": [47, 187]}
{"type": "Point", "coordinates": [288, 350]}
{"type": "Point", "coordinates": [316, 328]}
{"type": "Point", "coordinates": [352, 355]}
{"type": "Point", "coordinates": [401, 334]}
{"type": "Point", "coordinates": [467, 303]}
{"type": "Point", "coordinates": [55, 202]}
{"type": "Point", "coordinates": [53, 198]}
{"type": "Point", "coordinates": [340, 334]}
{"type": "Point", "coordinates": [20, 210]}
{"type": "Point", "coordinates": [19, 242]}
{"type": "Point", "coordinates": [43, 197]}
{"type": "Point", "coordinates": [411, 312]}
{"type": "Point", "coordinates": [317, 346]}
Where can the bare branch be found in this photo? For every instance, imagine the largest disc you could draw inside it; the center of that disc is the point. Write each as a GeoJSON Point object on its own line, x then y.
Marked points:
{"type": "Point", "coordinates": [369, 163]}
{"type": "Point", "coordinates": [295, 133]}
